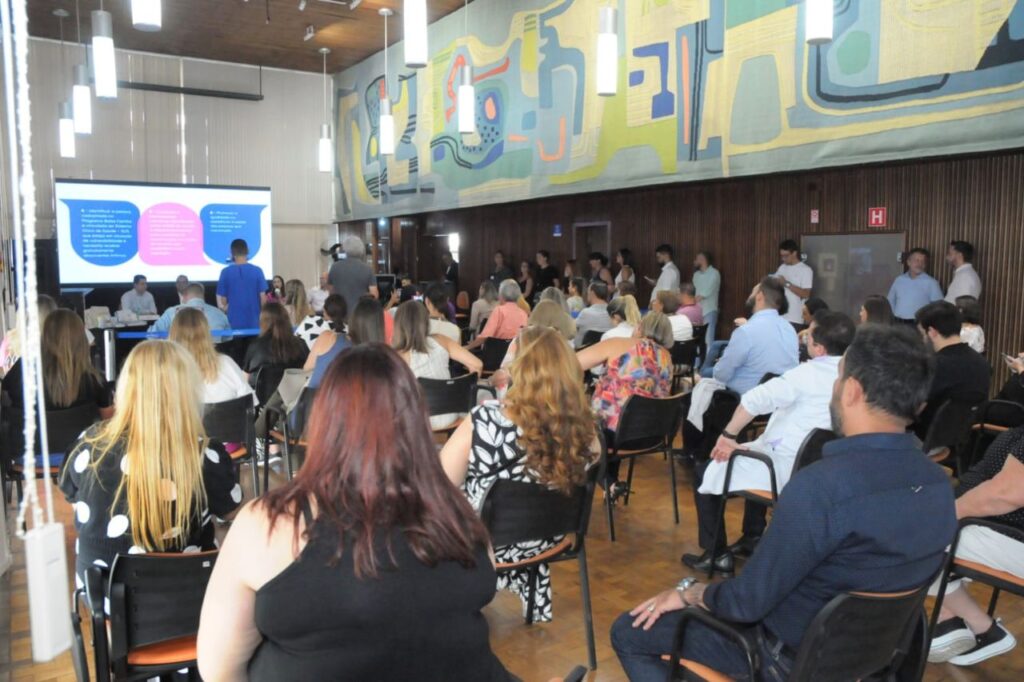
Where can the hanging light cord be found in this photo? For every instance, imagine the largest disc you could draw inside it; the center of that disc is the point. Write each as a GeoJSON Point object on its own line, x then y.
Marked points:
{"type": "Point", "coordinates": [386, 58]}
{"type": "Point", "coordinates": [325, 86]}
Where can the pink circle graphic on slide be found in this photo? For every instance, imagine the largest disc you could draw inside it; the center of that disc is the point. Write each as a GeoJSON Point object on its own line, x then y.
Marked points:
{"type": "Point", "coordinates": [171, 234]}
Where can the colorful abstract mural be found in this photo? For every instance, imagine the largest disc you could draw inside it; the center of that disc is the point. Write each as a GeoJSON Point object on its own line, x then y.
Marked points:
{"type": "Point", "coordinates": [707, 89]}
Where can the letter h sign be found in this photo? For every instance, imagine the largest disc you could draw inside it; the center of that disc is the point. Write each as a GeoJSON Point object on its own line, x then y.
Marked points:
{"type": "Point", "coordinates": [877, 217]}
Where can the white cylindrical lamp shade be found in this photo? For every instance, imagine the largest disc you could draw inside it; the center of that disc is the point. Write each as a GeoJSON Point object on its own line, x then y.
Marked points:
{"type": "Point", "coordinates": [66, 130]}
{"type": "Point", "coordinates": [607, 51]}
{"type": "Point", "coordinates": [325, 151]}
{"type": "Point", "coordinates": [818, 21]}
{"type": "Point", "coordinates": [81, 100]}
{"type": "Point", "coordinates": [386, 128]}
{"type": "Point", "coordinates": [414, 19]}
{"type": "Point", "coordinates": [466, 101]}
{"type": "Point", "coordinates": [104, 63]}
{"type": "Point", "coordinates": [147, 15]}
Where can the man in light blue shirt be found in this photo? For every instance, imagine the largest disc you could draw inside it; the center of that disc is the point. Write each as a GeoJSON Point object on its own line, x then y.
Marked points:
{"type": "Point", "coordinates": [766, 343]}
{"type": "Point", "coordinates": [193, 298]}
{"type": "Point", "coordinates": [914, 289]}
{"type": "Point", "coordinates": [707, 281]}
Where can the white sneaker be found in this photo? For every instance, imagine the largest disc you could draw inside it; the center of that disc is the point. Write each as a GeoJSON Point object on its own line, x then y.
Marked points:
{"type": "Point", "coordinates": [952, 638]}
{"type": "Point", "coordinates": [997, 640]}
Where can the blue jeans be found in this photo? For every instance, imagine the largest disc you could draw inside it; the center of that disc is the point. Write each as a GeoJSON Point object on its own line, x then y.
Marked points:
{"type": "Point", "coordinates": [711, 320]}
{"type": "Point", "coordinates": [640, 652]}
{"type": "Point", "coordinates": [714, 351]}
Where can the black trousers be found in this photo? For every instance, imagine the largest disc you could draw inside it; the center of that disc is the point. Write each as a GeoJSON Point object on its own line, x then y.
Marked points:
{"type": "Point", "coordinates": [709, 512]}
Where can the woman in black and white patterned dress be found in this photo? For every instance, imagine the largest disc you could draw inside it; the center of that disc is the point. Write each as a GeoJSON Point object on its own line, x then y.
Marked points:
{"type": "Point", "coordinates": [543, 432]}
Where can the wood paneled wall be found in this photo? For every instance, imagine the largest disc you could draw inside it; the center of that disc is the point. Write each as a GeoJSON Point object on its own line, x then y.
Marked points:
{"type": "Point", "coordinates": [980, 199]}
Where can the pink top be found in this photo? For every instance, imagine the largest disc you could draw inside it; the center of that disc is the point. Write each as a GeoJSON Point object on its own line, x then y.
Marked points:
{"type": "Point", "coordinates": [693, 312]}
{"type": "Point", "coordinates": [505, 322]}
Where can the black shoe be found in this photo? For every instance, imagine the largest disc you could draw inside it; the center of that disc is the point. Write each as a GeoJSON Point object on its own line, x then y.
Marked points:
{"type": "Point", "coordinates": [994, 641]}
{"type": "Point", "coordinates": [724, 563]}
{"type": "Point", "coordinates": [745, 546]}
{"type": "Point", "coordinates": [616, 490]}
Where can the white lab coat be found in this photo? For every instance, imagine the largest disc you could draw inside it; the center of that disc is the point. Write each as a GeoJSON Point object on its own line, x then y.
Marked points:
{"type": "Point", "coordinates": [798, 402]}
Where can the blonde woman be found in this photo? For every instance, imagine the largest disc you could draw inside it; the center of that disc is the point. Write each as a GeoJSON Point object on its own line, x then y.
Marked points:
{"type": "Point", "coordinates": [625, 316]}
{"type": "Point", "coordinates": [149, 480]}
{"type": "Point", "coordinates": [222, 379]}
{"type": "Point", "coordinates": [543, 432]}
{"type": "Point", "coordinates": [69, 378]}
{"type": "Point", "coordinates": [308, 324]}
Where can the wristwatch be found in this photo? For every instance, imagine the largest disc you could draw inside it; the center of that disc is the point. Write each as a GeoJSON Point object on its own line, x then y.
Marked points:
{"type": "Point", "coordinates": [683, 586]}
{"type": "Point", "coordinates": [730, 436]}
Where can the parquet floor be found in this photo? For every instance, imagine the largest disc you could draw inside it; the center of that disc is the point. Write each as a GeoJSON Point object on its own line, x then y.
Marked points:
{"type": "Point", "coordinates": [644, 560]}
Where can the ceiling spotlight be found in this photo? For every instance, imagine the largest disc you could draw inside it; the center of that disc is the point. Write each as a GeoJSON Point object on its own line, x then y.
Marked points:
{"type": "Point", "coordinates": [302, 5]}
{"type": "Point", "coordinates": [310, 32]}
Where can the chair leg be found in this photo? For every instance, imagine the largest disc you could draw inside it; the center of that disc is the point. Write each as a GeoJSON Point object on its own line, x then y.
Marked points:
{"type": "Point", "coordinates": [629, 480]}
{"type": "Point", "coordinates": [588, 616]}
{"type": "Point", "coordinates": [992, 602]}
{"type": "Point", "coordinates": [287, 447]}
{"type": "Point", "coordinates": [266, 463]}
{"type": "Point", "coordinates": [253, 462]}
{"type": "Point", "coordinates": [672, 480]}
{"type": "Point", "coordinates": [939, 597]}
{"type": "Point", "coordinates": [609, 513]}
{"type": "Point", "coordinates": [533, 574]}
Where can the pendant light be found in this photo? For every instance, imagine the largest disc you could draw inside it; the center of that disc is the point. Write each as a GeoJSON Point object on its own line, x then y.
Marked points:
{"type": "Point", "coordinates": [325, 154]}
{"type": "Point", "coordinates": [414, 19]}
{"type": "Point", "coordinates": [467, 93]}
{"type": "Point", "coordinates": [66, 129]}
{"type": "Point", "coordinates": [147, 15]}
{"type": "Point", "coordinates": [81, 94]}
{"type": "Point", "coordinates": [387, 120]}
{"type": "Point", "coordinates": [607, 51]}
{"type": "Point", "coordinates": [818, 21]}
{"type": "Point", "coordinates": [104, 63]}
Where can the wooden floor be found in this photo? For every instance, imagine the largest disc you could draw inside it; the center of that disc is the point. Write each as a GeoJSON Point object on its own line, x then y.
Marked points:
{"type": "Point", "coordinates": [644, 560]}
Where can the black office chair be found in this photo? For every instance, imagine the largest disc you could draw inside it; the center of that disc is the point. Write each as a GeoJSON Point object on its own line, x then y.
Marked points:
{"type": "Point", "coordinates": [234, 421]}
{"type": "Point", "coordinates": [646, 427]}
{"type": "Point", "coordinates": [590, 338]}
{"type": "Point", "coordinates": [992, 418]}
{"type": "Point", "coordinates": [154, 602]}
{"type": "Point", "coordinates": [268, 378]}
{"type": "Point", "coordinates": [856, 636]}
{"type": "Point", "coordinates": [976, 571]}
{"type": "Point", "coordinates": [684, 357]}
{"type": "Point", "coordinates": [720, 410]}
{"type": "Point", "coordinates": [492, 352]}
{"type": "Point", "coordinates": [516, 512]}
{"type": "Point", "coordinates": [949, 428]}
{"type": "Point", "coordinates": [700, 335]}
{"type": "Point", "coordinates": [809, 453]}
{"type": "Point", "coordinates": [293, 429]}
{"type": "Point", "coordinates": [63, 427]}
{"type": "Point", "coordinates": [449, 396]}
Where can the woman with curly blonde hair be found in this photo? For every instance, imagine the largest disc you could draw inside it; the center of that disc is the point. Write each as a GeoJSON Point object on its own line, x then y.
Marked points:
{"type": "Point", "coordinates": [544, 432]}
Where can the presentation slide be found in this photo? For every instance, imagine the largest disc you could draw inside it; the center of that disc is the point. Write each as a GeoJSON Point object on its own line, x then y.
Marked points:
{"type": "Point", "coordinates": [108, 232]}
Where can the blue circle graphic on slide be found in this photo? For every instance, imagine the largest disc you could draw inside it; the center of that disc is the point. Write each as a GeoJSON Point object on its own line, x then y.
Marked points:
{"type": "Point", "coordinates": [224, 223]}
{"type": "Point", "coordinates": [103, 232]}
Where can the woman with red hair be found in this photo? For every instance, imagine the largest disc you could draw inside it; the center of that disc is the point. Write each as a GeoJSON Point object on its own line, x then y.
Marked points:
{"type": "Point", "coordinates": [370, 564]}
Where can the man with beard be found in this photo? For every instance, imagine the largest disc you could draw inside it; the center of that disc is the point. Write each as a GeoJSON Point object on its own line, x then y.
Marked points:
{"type": "Point", "coordinates": [874, 515]}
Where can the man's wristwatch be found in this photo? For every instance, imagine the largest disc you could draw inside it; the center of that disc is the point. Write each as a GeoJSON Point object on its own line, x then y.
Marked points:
{"type": "Point", "coordinates": [730, 436]}
{"type": "Point", "coordinates": [683, 586]}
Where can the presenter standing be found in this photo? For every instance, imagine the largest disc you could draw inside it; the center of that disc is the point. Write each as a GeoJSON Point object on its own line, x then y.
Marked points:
{"type": "Point", "coordinates": [242, 289]}
{"type": "Point", "coordinates": [137, 300]}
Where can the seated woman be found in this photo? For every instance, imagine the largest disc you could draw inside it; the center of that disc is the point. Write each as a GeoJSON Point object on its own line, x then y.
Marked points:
{"type": "Point", "coordinates": [625, 316]}
{"type": "Point", "coordinates": [331, 342]}
{"type": "Point", "coordinates": [640, 365]}
{"type": "Point", "coordinates": [554, 294]}
{"type": "Point", "coordinates": [543, 432]}
{"type": "Point", "coordinates": [971, 332]}
{"type": "Point", "coordinates": [369, 565]}
{"type": "Point", "coordinates": [149, 480]}
{"type": "Point", "coordinates": [222, 379]}
{"type": "Point", "coordinates": [276, 346]}
{"type": "Point", "coordinates": [577, 288]}
{"type": "Point", "coordinates": [483, 306]}
{"type": "Point", "coordinates": [69, 378]}
{"type": "Point", "coordinates": [876, 310]}
{"type": "Point", "coordinates": [308, 325]}
{"type": "Point", "coordinates": [667, 303]}
{"type": "Point", "coordinates": [365, 325]}
{"type": "Point", "coordinates": [428, 354]}
{"type": "Point", "coordinates": [436, 300]}
{"type": "Point", "coordinates": [275, 294]}
{"type": "Point", "coordinates": [10, 347]}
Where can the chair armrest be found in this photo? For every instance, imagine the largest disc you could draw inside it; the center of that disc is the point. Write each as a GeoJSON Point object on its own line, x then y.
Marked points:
{"type": "Point", "coordinates": [95, 593]}
{"type": "Point", "coordinates": [760, 457]}
{"type": "Point", "coordinates": [718, 625]}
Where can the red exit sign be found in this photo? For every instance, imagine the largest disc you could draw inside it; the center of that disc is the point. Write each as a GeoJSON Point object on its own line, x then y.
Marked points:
{"type": "Point", "coordinates": [878, 216]}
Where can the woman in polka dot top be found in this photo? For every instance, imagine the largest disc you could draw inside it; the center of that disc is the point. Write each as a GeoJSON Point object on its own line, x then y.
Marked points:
{"type": "Point", "coordinates": [148, 480]}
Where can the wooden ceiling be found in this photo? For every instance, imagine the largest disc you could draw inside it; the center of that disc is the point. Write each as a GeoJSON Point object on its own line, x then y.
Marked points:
{"type": "Point", "coordinates": [238, 30]}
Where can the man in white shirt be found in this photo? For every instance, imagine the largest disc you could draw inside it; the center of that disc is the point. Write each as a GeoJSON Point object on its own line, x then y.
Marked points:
{"type": "Point", "coordinates": [317, 295]}
{"type": "Point", "coordinates": [798, 403]}
{"type": "Point", "coordinates": [668, 280]}
{"type": "Point", "coordinates": [595, 316]}
{"type": "Point", "coordinates": [966, 281]}
{"type": "Point", "coordinates": [137, 300]}
{"type": "Point", "coordinates": [797, 277]}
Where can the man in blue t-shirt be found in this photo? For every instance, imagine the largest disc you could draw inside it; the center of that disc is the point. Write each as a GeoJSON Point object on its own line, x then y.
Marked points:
{"type": "Point", "coordinates": [242, 289]}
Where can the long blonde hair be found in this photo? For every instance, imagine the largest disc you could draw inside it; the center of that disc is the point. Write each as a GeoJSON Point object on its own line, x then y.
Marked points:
{"type": "Point", "coordinates": [549, 314]}
{"type": "Point", "coordinates": [158, 421]}
{"type": "Point", "coordinates": [547, 380]}
{"type": "Point", "coordinates": [65, 356]}
{"type": "Point", "coordinates": [631, 309]}
{"type": "Point", "coordinates": [295, 301]}
{"type": "Point", "coordinates": [191, 329]}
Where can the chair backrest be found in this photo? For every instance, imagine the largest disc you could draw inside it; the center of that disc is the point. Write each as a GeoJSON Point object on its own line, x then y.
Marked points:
{"type": "Point", "coordinates": [590, 338]}
{"type": "Point", "coordinates": [951, 423]}
{"type": "Point", "coordinates": [646, 422]}
{"type": "Point", "coordinates": [720, 410]}
{"type": "Point", "coordinates": [858, 634]}
{"type": "Point", "coordinates": [63, 427]}
{"type": "Point", "coordinates": [449, 396]}
{"type": "Point", "coordinates": [684, 352]}
{"type": "Point", "coordinates": [155, 598]}
{"type": "Point", "coordinates": [810, 449]}
{"type": "Point", "coordinates": [230, 421]}
{"type": "Point", "coordinates": [1001, 413]}
{"type": "Point", "coordinates": [493, 352]}
{"type": "Point", "coordinates": [268, 377]}
{"type": "Point", "coordinates": [516, 511]}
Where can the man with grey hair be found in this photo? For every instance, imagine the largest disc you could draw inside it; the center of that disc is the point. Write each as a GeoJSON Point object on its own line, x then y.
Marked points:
{"type": "Point", "coordinates": [351, 277]}
{"type": "Point", "coordinates": [507, 319]}
{"type": "Point", "coordinates": [193, 297]}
